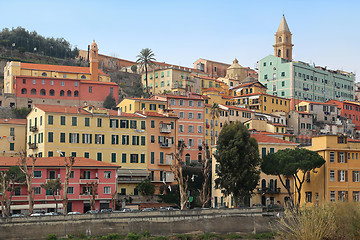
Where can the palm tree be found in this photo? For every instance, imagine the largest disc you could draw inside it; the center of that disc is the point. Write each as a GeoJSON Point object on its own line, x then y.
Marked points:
{"type": "Point", "coordinates": [145, 59]}
{"type": "Point", "coordinates": [214, 113]}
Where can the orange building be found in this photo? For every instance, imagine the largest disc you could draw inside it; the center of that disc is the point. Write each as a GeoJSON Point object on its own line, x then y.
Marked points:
{"type": "Point", "coordinates": [214, 69]}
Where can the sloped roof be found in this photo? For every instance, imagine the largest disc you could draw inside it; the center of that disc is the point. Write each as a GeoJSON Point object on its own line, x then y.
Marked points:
{"type": "Point", "coordinates": [12, 121]}
{"type": "Point", "coordinates": [56, 162]}
{"type": "Point", "coordinates": [260, 138]}
{"type": "Point", "coordinates": [283, 25]}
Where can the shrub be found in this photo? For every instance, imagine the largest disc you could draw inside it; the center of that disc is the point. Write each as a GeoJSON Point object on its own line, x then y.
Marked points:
{"type": "Point", "coordinates": [133, 236]}
{"type": "Point", "coordinates": [51, 237]}
{"type": "Point", "coordinates": [114, 236]}
{"type": "Point", "coordinates": [145, 234]}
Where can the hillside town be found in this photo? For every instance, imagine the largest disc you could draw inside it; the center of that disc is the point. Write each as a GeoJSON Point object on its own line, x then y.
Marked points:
{"type": "Point", "coordinates": [101, 154]}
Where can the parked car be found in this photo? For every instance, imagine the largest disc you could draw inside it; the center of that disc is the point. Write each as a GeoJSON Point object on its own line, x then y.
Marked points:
{"type": "Point", "coordinates": [169, 208]}
{"type": "Point", "coordinates": [74, 213]}
{"type": "Point", "coordinates": [92, 212]}
{"type": "Point", "coordinates": [125, 210]}
{"type": "Point", "coordinates": [106, 210]}
{"type": "Point", "coordinates": [16, 215]}
{"type": "Point", "coordinates": [37, 215]}
{"type": "Point", "coordinates": [52, 214]}
{"type": "Point", "coordinates": [148, 209]}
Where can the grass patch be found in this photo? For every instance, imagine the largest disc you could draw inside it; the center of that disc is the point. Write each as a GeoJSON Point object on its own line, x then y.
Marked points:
{"type": "Point", "coordinates": [234, 236]}
{"type": "Point", "coordinates": [209, 236]}
{"type": "Point", "coordinates": [269, 235]}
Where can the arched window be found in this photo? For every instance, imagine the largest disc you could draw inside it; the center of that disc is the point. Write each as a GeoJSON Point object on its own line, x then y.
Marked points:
{"type": "Point", "coordinates": [52, 92]}
{"type": "Point", "coordinates": [33, 91]}
{"type": "Point", "coordinates": [83, 77]}
{"type": "Point", "coordinates": [68, 93]}
{"type": "Point", "coordinates": [44, 74]}
{"type": "Point", "coordinates": [279, 53]}
{"type": "Point", "coordinates": [263, 184]}
{"type": "Point", "coordinates": [42, 92]}
{"type": "Point", "coordinates": [76, 93]}
{"type": "Point", "coordinates": [23, 91]}
{"type": "Point", "coordinates": [62, 93]}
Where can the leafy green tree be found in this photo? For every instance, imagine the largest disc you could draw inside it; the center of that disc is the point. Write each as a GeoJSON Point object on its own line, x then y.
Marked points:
{"type": "Point", "coordinates": [214, 113]}
{"type": "Point", "coordinates": [238, 157]}
{"type": "Point", "coordinates": [109, 102]}
{"type": "Point", "coordinates": [8, 180]}
{"type": "Point", "coordinates": [146, 188]}
{"type": "Point", "coordinates": [292, 163]}
{"type": "Point", "coordinates": [53, 186]}
{"type": "Point", "coordinates": [146, 58]}
{"type": "Point", "coordinates": [21, 112]}
{"type": "Point", "coordinates": [134, 68]}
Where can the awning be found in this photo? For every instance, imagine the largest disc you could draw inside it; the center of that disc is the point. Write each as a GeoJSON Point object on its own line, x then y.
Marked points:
{"type": "Point", "coordinates": [36, 206]}
{"type": "Point", "coordinates": [133, 172]}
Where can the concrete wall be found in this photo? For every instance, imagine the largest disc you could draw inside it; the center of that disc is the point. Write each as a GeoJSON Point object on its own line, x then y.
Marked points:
{"type": "Point", "coordinates": [157, 223]}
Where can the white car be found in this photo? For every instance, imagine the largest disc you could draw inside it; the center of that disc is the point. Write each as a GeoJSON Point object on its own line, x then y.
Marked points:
{"type": "Point", "coordinates": [37, 215]}
{"type": "Point", "coordinates": [74, 213]}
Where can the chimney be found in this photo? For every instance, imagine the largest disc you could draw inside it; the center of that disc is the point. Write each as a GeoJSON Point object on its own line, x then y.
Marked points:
{"type": "Point", "coordinates": [119, 112]}
{"type": "Point", "coordinates": [143, 110]}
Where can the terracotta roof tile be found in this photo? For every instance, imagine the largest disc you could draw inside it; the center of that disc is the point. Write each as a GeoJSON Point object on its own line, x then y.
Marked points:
{"type": "Point", "coordinates": [260, 138]}
{"type": "Point", "coordinates": [56, 162]}
{"type": "Point", "coordinates": [12, 121]}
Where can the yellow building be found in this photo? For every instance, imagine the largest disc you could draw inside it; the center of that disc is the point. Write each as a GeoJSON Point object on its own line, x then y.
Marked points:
{"type": "Point", "coordinates": [266, 126]}
{"type": "Point", "coordinates": [338, 179]}
{"type": "Point", "coordinates": [247, 88]}
{"type": "Point", "coordinates": [132, 105]}
{"type": "Point", "coordinates": [264, 103]}
{"type": "Point", "coordinates": [269, 190]}
{"type": "Point", "coordinates": [13, 135]}
{"type": "Point", "coordinates": [102, 134]}
{"type": "Point", "coordinates": [161, 80]}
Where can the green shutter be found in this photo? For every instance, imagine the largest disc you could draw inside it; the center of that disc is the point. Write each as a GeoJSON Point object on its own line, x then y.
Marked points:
{"type": "Point", "coordinates": [152, 157]}
{"type": "Point", "coordinates": [142, 158]}
{"type": "Point", "coordinates": [142, 140]}
{"type": "Point", "coordinates": [123, 158]}
{"type": "Point", "coordinates": [161, 157]}
{"type": "Point", "coordinates": [113, 157]}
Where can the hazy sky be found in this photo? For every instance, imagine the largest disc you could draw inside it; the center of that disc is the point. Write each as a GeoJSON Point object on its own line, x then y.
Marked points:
{"type": "Point", "coordinates": [180, 32]}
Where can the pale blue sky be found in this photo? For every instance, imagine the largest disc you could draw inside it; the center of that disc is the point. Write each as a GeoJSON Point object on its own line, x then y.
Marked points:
{"type": "Point", "coordinates": [180, 32]}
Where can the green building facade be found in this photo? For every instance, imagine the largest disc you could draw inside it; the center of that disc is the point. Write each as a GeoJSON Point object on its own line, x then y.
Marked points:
{"type": "Point", "coordinates": [299, 80]}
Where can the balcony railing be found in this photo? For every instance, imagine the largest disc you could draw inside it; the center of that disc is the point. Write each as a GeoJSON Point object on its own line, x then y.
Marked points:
{"type": "Point", "coordinates": [85, 181]}
{"type": "Point", "coordinates": [269, 190]}
{"type": "Point", "coordinates": [130, 179]}
{"type": "Point", "coordinates": [32, 146]}
{"type": "Point", "coordinates": [33, 128]}
{"type": "Point", "coordinates": [165, 128]}
{"type": "Point", "coordinates": [166, 145]}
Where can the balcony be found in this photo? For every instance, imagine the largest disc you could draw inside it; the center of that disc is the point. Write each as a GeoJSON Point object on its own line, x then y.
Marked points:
{"type": "Point", "coordinates": [165, 128]}
{"type": "Point", "coordinates": [130, 179]}
{"type": "Point", "coordinates": [168, 160]}
{"type": "Point", "coordinates": [32, 146]}
{"type": "Point", "coordinates": [85, 181]}
{"type": "Point", "coordinates": [166, 145]}
{"type": "Point", "coordinates": [33, 128]}
{"type": "Point", "coordinates": [269, 190]}
{"type": "Point", "coordinates": [50, 197]}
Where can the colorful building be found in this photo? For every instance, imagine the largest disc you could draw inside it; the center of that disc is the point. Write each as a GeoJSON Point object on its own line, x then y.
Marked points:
{"type": "Point", "coordinates": [132, 105]}
{"type": "Point", "coordinates": [58, 85]}
{"type": "Point", "coordinates": [338, 179]}
{"type": "Point", "coordinates": [212, 68]}
{"type": "Point", "coordinates": [299, 80]}
{"type": "Point", "coordinates": [13, 136]}
{"type": "Point", "coordinates": [84, 171]}
{"type": "Point", "coordinates": [190, 110]}
{"type": "Point", "coordinates": [269, 190]}
{"type": "Point", "coordinates": [105, 135]}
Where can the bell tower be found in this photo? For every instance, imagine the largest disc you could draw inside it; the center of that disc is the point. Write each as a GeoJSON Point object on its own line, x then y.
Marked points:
{"type": "Point", "coordinates": [283, 44]}
{"type": "Point", "coordinates": [94, 62]}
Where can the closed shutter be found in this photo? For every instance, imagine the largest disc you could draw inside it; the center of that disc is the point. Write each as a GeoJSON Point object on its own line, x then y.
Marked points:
{"type": "Point", "coordinates": [346, 176]}
{"type": "Point", "coordinates": [346, 157]}
{"type": "Point", "coordinates": [339, 175]}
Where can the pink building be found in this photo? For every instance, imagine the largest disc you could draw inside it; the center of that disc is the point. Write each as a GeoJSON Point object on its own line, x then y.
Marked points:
{"type": "Point", "coordinates": [84, 171]}
{"type": "Point", "coordinates": [189, 109]}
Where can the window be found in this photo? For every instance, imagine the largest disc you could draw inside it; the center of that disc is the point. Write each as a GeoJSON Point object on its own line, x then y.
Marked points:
{"type": "Point", "coordinates": [152, 138]}
{"type": "Point", "coordinates": [152, 124]}
{"type": "Point", "coordinates": [99, 139]}
{"type": "Point", "coordinates": [152, 106]}
{"type": "Point", "coordinates": [73, 137]}
{"type": "Point", "coordinates": [62, 83]}
{"type": "Point", "coordinates": [143, 125]}
{"type": "Point", "coordinates": [341, 157]}
{"type": "Point", "coordinates": [70, 190]}
{"type": "Point", "coordinates": [135, 140]}
{"type": "Point", "coordinates": [355, 176]}
{"type": "Point", "coordinates": [123, 158]}
{"type": "Point", "coordinates": [332, 157]}
{"type": "Point", "coordinates": [62, 137]}
{"type": "Point", "coordinates": [199, 104]}
{"type": "Point", "coordinates": [50, 137]}
{"type": "Point", "coordinates": [181, 102]}
{"type": "Point", "coordinates": [272, 150]}
{"type": "Point", "coordinates": [181, 128]}
{"type": "Point", "coordinates": [142, 158]}
{"type": "Point", "coordinates": [134, 158]}
{"type": "Point", "coordinates": [90, 89]}
{"type": "Point", "coordinates": [308, 197]}
{"type": "Point", "coordinates": [50, 120]}
{"type": "Point", "coordinates": [114, 139]}
{"type": "Point", "coordinates": [50, 153]}
{"type": "Point", "coordinates": [152, 157]}
{"type": "Point", "coordinates": [74, 121]}
{"type": "Point", "coordinates": [37, 174]}
{"type": "Point", "coordinates": [62, 120]}
{"type": "Point", "coordinates": [124, 123]}
{"type": "Point", "coordinates": [200, 129]}
{"type": "Point", "coordinates": [107, 174]}
{"type": "Point", "coordinates": [199, 115]}
{"type": "Point", "coordinates": [172, 102]}
{"type": "Point", "coordinates": [12, 146]}
{"type": "Point", "coordinates": [37, 190]}
{"type": "Point", "coordinates": [143, 141]}
{"type": "Point", "coordinates": [107, 190]}
{"type": "Point", "coordinates": [332, 196]}
{"type": "Point", "coordinates": [332, 176]}
{"type": "Point", "coordinates": [62, 93]}
{"type": "Point", "coordinates": [191, 115]}
{"type": "Point", "coordinates": [190, 103]}
{"type": "Point", "coordinates": [190, 129]}
{"type": "Point", "coordinates": [99, 156]}
{"type": "Point", "coordinates": [99, 122]}
{"type": "Point", "coordinates": [87, 122]}
{"type": "Point", "coordinates": [356, 196]}
{"type": "Point", "coordinates": [86, 155]}
{"type": "Point", "coordinates": [263, 152]}
{"type": "Point", "coordinates": [133, 124]}
{"type": "Point", "coordinates": [342, 175]}
{"type": "Point", "coordinates": [181, 115]}
{"type": "Point", "coordinates": [86, 138]}
{"type": "Point", "coordinates": [190, 142]}
{"type": "Point", "coordinates": [125, 139]}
